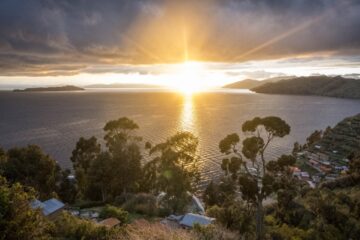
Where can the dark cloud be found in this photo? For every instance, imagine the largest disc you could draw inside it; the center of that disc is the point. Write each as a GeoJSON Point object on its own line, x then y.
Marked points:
{"type": "Point", "coordinates": [52, 37]}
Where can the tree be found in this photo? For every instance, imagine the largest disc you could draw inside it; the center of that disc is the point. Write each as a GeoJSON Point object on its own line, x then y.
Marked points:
{"type": "Point", "coordinates": [100, 177]}
{"type": "Point", "coordinates": [31, 167]}
{"type": "Point", "coordinates": [119, 132]}
{"type": "Point", "coordinates": [17, 219]}
{"type": "Point", "coordinates": [84, 154]}
{"type": "Point", "coordinates": [123, 145]}
{"type": "Point", "coordinates": [256, 178]}
{"type": "Point", "coordinates": [314, 137]}
{"type": "Point", "coordinates": [175, 169]}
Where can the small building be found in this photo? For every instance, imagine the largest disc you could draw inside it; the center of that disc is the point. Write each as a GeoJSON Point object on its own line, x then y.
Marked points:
{"type": "Point", "coordinates": [110, 222]}
{"type": "Point", "coordinates": [305, 176]}
{"type": "Point", "coordinates": [190, 219]}
{"type": "Point", "coordinates": [49, 208]}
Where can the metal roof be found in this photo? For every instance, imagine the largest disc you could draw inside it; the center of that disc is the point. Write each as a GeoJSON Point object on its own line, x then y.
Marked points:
{"type": "Point", "coordinates": [190, 219]}
{"type": "Point", "coordinates": [48, 207]}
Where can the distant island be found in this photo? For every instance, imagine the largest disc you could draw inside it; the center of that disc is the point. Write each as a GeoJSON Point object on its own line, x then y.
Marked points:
{"type": "Point", "coordinates": [251, 83]}
{"type": "Point", "coordinates": [122, 85]}
{"type": "Point", "coordinates": [315, 85]}
{"type": "Point", "coordinates": [51, 89]}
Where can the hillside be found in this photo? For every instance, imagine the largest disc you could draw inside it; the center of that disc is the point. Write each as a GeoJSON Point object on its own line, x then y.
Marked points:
{"type": "Point", "coordinates": [315, 85]}
{"type": "Point", "coordinates": [50, 89]}
{"type": "Point", "coordinates": [251, 83]}
{"type": "Point", "coordinates": [340, 141]}
{"type": "Point", "coordinates": [244, 84]}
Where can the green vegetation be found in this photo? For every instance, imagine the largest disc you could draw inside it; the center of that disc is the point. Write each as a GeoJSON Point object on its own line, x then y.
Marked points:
{"type": "Point", "coordinates": [114, 212]}
{"type": "Point", "coordinates": [316, 85]}
{"type": "Point", "coordinates": [248, 171]}
{"type": "Point", "coordinates": [173, 170]}
{"type": "Point", "coordinates": [31, 167]}
{"type": "Point", "coordinates": [257, 198]}
{"type": "Point", "coordinates": [17, 219]}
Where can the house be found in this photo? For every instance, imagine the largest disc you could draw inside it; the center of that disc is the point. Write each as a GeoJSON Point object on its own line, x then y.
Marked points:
{"type": "Point", "coordinates": [49, 208]}
{"type": "Point", "coordinates": [110, 222]}
{"type": "Point", "coordinates": [187, 221]}
{"type": "Point", "coordinates": [190, 219]}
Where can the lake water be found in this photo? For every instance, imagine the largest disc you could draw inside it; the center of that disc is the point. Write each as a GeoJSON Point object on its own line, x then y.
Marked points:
{"type": "Point", "coordinates": [56, 120]}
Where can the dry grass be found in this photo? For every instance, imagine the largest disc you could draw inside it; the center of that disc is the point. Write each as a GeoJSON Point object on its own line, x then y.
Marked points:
{"type": "Point", "coordinates": [142, 229]}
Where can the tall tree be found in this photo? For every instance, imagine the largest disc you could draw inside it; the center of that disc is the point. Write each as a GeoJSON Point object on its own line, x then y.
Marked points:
{"type": "Point", "coordinates": [124, 148]}
{"type": "Point", "coordinates": [100, 177]}
{"type": "Point", "coordinates": [31, 167]}
{"type": "Point", "coordinates": [84, 154]}
{"type": "Point", "coordinates": [249, 166]}
{"type": "Point", "coordinates": [175, 164]}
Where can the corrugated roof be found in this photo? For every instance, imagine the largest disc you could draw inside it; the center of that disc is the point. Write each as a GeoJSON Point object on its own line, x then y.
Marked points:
{"type": "Point", "coordinates": [48, 207]}
{"type": "Point", "coordinates": [51, 206]}
{"type": "Point", "coordinates": [190, 219]}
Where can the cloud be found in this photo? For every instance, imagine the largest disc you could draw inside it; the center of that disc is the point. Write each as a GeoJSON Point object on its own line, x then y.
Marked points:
{"type": "Point", "coordinates": [51, 37]}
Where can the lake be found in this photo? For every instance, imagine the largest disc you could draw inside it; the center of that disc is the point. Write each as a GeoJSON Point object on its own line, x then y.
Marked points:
{"type": "Point", "coordinates": [56, 120]}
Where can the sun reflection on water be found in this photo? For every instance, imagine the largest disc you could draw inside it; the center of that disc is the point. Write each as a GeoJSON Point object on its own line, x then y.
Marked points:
{"type": "Point", "coordinates": [187, 119]}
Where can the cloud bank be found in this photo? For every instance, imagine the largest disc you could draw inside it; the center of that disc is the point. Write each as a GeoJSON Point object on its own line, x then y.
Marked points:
{"type": "Point", "coordinates": [67, 37]}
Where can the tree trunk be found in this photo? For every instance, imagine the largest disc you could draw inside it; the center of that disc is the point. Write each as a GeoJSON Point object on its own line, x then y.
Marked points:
{"type": "Point", "coordinates": [259, 220]}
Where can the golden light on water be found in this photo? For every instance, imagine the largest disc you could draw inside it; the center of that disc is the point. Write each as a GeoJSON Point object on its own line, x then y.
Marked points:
{"type": "Point", "coordinates": [188, 115]}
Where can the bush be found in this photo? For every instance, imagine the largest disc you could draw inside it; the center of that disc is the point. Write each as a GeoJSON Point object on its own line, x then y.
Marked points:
{"type": "Point", "coordinates": [142, 203]}
{"type": "Point", "coordinates": [70, 227]}
{"type": "Point", "coordinates": [111, 211]}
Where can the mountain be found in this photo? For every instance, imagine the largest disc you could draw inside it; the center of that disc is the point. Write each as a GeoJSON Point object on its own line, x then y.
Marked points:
{"type": "Point", "coordinates": [123, 85]}
{"type": "Point", "coordinates": [50, 89]}
{"type": "Point", "coordinates": [251, 83]}
{"type": "Point", "coordinates": [315, 85]}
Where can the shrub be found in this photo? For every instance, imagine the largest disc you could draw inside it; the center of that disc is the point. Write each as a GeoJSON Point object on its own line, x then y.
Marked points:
{"type": "Point", "coordinates": [70, 227]}
{"type": "Point", "coordinates": [111, 211]}
{"type": "Point", "coordinates": [143, 204]}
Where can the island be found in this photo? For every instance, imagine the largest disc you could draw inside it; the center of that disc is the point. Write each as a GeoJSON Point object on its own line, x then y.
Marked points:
{"type": "Point", "coordinates": [123, 85]}
{"type": "Point", "coordinates": [51, 89]}
{"type": "Point", "coordinates": [315, 85]}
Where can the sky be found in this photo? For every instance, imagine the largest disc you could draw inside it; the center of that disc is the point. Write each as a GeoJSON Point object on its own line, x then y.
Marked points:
{"type": "Point", "coordinates": [49, 42]}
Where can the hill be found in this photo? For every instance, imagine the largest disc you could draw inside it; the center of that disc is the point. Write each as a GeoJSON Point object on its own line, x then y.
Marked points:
{"type": "Point", "coordinates": [244, 84]}
{"type": "Point", "coordinates": [341, 141]}
{"type": "Point", "coordinates": [50, 89]}
{"type": "Point", "coordinates": [251, 83]}
{"type": "Point", "coordinates": [315, 85]}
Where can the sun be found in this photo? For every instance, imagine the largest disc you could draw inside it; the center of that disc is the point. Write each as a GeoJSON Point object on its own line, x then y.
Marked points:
{"type": "Point", "coordinates": [188, 77]}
